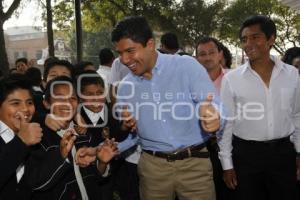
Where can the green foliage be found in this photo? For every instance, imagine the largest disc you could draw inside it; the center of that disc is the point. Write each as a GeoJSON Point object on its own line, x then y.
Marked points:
{"type": "Point", "coordinates": [287, 21]}
{"type": "Point", "coordinates": [189, 19]}
{"type": "Point", "coordinates": [196, 18]}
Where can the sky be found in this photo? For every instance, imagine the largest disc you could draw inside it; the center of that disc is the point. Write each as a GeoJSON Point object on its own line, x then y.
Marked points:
{"type": "Point", "coordinates": [29, 15]}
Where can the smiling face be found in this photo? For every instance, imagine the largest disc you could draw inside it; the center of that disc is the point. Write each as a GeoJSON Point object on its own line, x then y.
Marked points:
{"type": "Point", "coordinates": [255, 43]}
{"type": "Point", "coordinates": [138, 58]}
{"type": "Point", "coordinates": [19, 101]}
{"type": "Point", "coordinates": [94, 99]}
{"type": "Point", "coordinates": [63, 102]}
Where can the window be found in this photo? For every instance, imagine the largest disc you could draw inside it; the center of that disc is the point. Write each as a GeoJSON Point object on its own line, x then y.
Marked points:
{"type": "Point", "coordinates": [24, 54]}
{"type": "Point", "coordinates": [38, 54]}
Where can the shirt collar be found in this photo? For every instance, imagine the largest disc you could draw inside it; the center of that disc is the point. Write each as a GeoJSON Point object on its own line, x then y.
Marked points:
{"type": "Point", "coordinates": [157, 67]}
{"type": "Point", "coordinates": [6, 133]}
{"type": "Point", "coordinates": [93, 115]}
{"type": "Point", "coordinates": [278, 65]}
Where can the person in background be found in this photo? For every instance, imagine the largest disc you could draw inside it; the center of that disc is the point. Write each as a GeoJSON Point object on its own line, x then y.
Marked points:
{"type": "Point", "coordinates": [22, 65]}
{"type": "Point", "coordinates": [226, 59]}
{"type": "Point", "coordinates": [209, 53]}
{"type": "Point", "coordinates": [169, 43]}
{"type": "Point", "coordinates": [106, 58]}
{"type": "Point", "coordinates": [35, 76]}
{"type": "Point", "coordinates": [83, 66]}
{"type": "Point", "coordinates": [292, 57]}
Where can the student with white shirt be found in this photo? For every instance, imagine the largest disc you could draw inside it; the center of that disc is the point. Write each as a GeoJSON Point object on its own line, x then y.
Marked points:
{"type": "Point", "coordinates": [98, 116]}
{"type": "Point", "coordinates": [69, 180]}
{"type": "Point", "coordinates": [263, 101]}
{"type": "Point", "coordinates": [17, 135]}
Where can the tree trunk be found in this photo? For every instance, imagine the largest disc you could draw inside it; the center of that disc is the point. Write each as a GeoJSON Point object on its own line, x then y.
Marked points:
{"type": "Point", "coordinates": [4, 65]}
{"type": "Point", "coordinates": [50, 29]}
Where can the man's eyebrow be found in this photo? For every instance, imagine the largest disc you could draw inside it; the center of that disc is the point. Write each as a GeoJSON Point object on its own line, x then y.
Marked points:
{"type": "Point", "coordinates": [128, 49]}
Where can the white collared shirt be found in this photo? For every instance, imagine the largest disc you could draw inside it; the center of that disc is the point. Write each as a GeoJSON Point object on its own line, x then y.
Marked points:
{"type": "Point", "coordinates": [94, 117]}
{"type": "Point", "coordinates": [7, 135]}
{"type": "Point", "coordinates": [105, 73]}
{"type": "Point", "coordinates": [257, 112]}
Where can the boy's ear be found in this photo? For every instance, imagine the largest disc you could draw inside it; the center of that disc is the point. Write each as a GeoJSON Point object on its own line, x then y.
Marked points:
{"type": "Point", "coordinates": [46, 104]}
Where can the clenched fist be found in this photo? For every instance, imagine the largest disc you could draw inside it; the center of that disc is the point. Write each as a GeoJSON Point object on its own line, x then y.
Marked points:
{"type": "Point", "coordinates": [67, 142]}
{"type": "Point", "coordinates": [210, 118]}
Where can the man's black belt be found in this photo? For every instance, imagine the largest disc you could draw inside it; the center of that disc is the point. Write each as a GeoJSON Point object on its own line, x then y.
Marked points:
{"type": "Point", "coordinates": [273, 142]}
{"type": "Point", "coordinates": [192, 151]}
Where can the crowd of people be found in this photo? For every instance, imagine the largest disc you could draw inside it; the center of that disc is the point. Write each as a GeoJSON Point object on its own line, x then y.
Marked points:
{"type": "Point", "coordinates": [155, 124]}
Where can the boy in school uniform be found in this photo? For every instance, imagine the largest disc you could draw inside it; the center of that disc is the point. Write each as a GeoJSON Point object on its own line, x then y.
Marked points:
{"type": "Point", "coordinates": [101, 124]}
{"type": "Point", "coordinates": [17, 135]}
{"type": "Point", "coordinates": [69, 181]}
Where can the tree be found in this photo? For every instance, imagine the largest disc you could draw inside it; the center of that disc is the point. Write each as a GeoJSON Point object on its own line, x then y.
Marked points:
{"type": "Point", "coordinates": [49, 28]}
{"type": "Point", "coordinates": [4, 16]}
{"type": "Point", "coordinates": [286, 20]}
{"type": "Point", "coordinates": [196, 18]}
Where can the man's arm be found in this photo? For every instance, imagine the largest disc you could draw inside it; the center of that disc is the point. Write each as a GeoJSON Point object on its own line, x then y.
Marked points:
{"type": "Point", "coordinates": [225, 143]}
{"type": "Point", "coordinates": [201, 88]}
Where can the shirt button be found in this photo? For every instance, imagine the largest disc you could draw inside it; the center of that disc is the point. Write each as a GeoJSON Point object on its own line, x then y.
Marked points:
{"type": "Point", "coordinates": [164, 120]}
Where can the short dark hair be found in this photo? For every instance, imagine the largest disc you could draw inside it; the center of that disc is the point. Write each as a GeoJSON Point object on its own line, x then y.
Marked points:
{"type": "Point", "coordinates": [170, 41]}
{"type": "Point", "coordinates": [24, 60]}
{"type": "Point", "coordinates": [80, 67]}
{"type": "Point", "coordinates": [49, 60]}
{"type": "Point", "coordinates": [82, 64]}
{"type": "Point", "coordinates": [55, 62]}
{"type": "Point", "coordinates": [266, 24]}
{"type": "Point", "coordinates": [14, 82]}
{"type": "Point", "coordinates": [106, 56]}
{"type": "Point", "coordinates": [291, 54]}
{"type": "Point", "coordinates": [206, 40]}
{"type": "Point", "coordinates": [35, 76]}
{"type": "Point", "coordinates": [135, 28]}
{"type": "Point", "coordinates": [90, 77]}
{"type": "Point", "coordinates": [51, 83]}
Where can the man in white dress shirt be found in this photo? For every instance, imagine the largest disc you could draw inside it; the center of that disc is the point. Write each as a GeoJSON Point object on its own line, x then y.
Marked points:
{"type": "Point", "coordinates": [262, 98]}
{"type": "Point", "coordinates": [106, 58]}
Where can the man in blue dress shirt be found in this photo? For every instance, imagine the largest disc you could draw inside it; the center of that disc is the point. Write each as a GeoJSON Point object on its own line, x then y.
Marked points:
{"type": "Point", "coordinates": [171, 100]}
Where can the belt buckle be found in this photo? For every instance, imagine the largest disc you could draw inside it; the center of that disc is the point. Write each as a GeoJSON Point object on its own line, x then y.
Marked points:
{"type": "Point", "coordinates": [170, 157]}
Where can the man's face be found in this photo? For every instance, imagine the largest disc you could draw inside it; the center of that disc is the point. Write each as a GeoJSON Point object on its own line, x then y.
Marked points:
{"type": "Point", "coordinates": [63, 102]}
{"type": "Point", "coordinates": [255, 43]}
{"type": "Point", "coordinates": [209, 56]}
{"type": "Point", "coordinates": [135, 56]}
{"type": "Point", "coordinates": [21, 67]}
{"type": "Point", "coordinates": [92, 99]}
{"type": "Point", "coordinates": [58, 70]}
{"type": "Point", "coordinates": [19, 101]}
